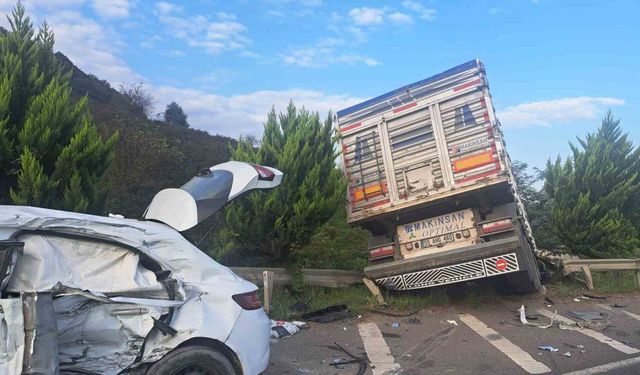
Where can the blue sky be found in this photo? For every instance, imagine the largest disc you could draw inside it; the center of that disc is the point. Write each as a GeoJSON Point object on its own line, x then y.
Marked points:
{"type": "Point", "coordinates": [554, 66]}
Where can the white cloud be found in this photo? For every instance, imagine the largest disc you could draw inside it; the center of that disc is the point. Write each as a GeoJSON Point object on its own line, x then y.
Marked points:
{"type": "Point", "coordinates": [215, 36]}
{"type": "Point", "coordinates": [423, 12]}
{"type": "Point", "coordinates": [367, 16]}
{"type": "Point", "coordinates": [245, 114]}
{"type": "Point", "coordinates": [164, 8]}
{"type": "Point", "coordinates": [90, 46]}
{"type": "Point", "coordinates": [556, 111]}
{"type": "Point", "coordinates": [401, 18]}
{"type": "Point", "coordinates": [319, 57]}
{"type": "Point", "coordinates": [112, 8]}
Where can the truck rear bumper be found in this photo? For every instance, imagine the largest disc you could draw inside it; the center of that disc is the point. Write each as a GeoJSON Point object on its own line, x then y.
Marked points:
{"type": "Point", "coordinates": [467, 263]}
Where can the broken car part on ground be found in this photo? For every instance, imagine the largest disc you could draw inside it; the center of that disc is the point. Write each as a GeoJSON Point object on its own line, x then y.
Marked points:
{"type": "Point", "coordinates": [91, 294]}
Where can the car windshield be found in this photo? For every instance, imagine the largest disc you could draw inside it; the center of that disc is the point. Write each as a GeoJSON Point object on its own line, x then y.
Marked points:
{"type": "Point", "coordinates": [210, 191]}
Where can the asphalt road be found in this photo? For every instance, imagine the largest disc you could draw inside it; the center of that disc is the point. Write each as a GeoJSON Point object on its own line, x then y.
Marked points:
{"type": "Point", "coordinates": [464, 339]}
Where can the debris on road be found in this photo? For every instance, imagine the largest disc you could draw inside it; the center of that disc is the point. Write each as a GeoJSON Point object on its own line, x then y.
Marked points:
{"type": "Point", "coordinates": [327, 315]}
{"type": "Point", "coordinates": [548, 301]}
{"type": "Point", "coordinates": [523, 319]}
{"type": "Point", "coordinates": [593, 296]}
{"type": "Point", "coordinates": [548, 348]}
{"type": "Point", "coordinates": [567, 354]}
{"type": "Point", "coordinates": [363, 363]}
{"type": "Point", "coordinates": [414, 321]}
{"type": "Point", "coordinates": [281, 329]}
{"type": "Point", "coordinates": [619, 306]}
{"type": "Point", "coordinates": [452, 322]}
{"type": "Point", "coordinates": [576, 300]}
{"type": "Point", "coordinates": [395, 325]}
{"type": "Point", "coordinates": [587, 316]}
{"type": "Point", "coordinates": [304, 371]}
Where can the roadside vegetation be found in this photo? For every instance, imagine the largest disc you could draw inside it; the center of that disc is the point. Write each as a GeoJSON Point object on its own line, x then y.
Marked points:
{"type": "Point", "coordinates": [69, 140]}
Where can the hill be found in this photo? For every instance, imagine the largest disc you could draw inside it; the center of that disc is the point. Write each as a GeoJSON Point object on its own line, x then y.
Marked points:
{"type": "Point", "coordinates": [150, 155]}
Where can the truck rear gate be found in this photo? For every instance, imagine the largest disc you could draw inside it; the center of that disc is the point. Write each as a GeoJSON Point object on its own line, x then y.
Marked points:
{"type": "Point", "coordinates": [419, 146]}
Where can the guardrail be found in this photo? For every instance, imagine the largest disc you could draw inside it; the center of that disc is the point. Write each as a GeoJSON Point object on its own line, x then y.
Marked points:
{"type": "Point", "coordinates": [311, 277]}
{"type": "Point", "coordinates": [587, 265]}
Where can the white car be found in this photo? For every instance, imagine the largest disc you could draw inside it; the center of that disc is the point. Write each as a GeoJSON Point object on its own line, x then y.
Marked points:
{"type": "Point", "coordinates": [84, 294]}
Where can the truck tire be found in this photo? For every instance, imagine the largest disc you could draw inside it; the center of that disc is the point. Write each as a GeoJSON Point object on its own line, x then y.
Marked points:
{"type": "Point", "coordinates": [193, 360]}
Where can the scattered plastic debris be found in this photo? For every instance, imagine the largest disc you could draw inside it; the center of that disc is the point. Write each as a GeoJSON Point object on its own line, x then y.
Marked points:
{"type": "Point", "coordinates": [281, 329]}
{"type": "Point", "coordinates": [587, 316]}
{"type": "Point", "coordinates": [361, 361]}
{"type": "Point", "coordinates": [304, 371]}
{"type": "Point", "coordinates": [593, 296]}
{"type": "Point", "coordinates": [452, 322]}
{"type": "Point", "coordinates": [344, 329]}
{"type": "Point", "coordinates": [548, 348]}
{"type": "Point", "coordinates": [523, 316]}
{"type": "Point", "coordinates": [395, 325]}
{"type": "Point", "coordinates": [327, 315]}
{"type": "Point", "coordinates": [567, 354]}
{"type": "Point", "coordinates": [576, 300]}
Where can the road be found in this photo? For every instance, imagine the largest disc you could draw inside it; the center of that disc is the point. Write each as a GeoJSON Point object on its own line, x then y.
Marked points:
{"type": "Point", "coordinates": [484, 339]}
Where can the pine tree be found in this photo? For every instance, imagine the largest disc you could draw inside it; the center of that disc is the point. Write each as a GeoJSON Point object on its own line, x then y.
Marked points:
{"type": "Point", "coordinates": [279, 221]}
{"type": "Point", "coordinates": [595, 194]}
{"type": "Point", "coordinates": [174, 115]}
{"type": "Point", "coordinates": [50, 152]}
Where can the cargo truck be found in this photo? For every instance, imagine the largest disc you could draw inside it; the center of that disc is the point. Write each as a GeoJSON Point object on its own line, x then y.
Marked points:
{"type": "Point", "coordinates": [429, 177]}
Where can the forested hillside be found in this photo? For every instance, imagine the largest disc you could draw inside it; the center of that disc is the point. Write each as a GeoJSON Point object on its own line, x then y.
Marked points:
{"type": "Point", "coordinates": [150, 155]}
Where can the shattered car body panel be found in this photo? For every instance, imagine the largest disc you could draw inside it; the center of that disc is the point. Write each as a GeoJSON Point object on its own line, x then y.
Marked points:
{"type": "Point", "coordinates": [125, 293]}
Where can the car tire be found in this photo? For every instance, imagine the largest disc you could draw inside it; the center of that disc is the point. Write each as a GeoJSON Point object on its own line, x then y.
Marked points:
{"type": "Point", "coordinates": [193, 360]}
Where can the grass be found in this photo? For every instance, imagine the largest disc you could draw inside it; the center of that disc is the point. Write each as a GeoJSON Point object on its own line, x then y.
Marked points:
{"type": "Point", "coordinates": [614, 282]}
{"type": "Point", "coordinates": [357, 299]}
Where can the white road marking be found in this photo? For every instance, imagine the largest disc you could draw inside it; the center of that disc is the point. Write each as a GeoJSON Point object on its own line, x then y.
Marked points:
{"type": "Point", "coordinates": [602, 369]}
{"type": "Point", "coordinates": [591, 333]}
{"type": "Point", "coordinates": [634, 316]}
{"type": "Point", "coordinates": [377, 349]}
{"type": "Point", "coordinates": [511, 350]}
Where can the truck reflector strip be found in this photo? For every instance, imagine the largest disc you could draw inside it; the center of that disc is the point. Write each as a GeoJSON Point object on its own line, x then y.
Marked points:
{"type": "Point", "coordinates": [406, 106]}
{"type": "Point", "coordinates": [349, 127]}
{"type": "Point", "coordinates": [382, 252]}
{"type": "Point", "coordinates": [497, 226]}
{"type": "Point", "coordinates": [467, 85]}
{"type": "Point", "coordinates": [474, 161]}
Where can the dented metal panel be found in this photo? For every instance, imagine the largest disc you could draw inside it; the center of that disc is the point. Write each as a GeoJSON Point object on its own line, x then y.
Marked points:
{"type": "Point", "coordinates": [111, 298]}
{"type": "Point", "coordinates": [429, 140]}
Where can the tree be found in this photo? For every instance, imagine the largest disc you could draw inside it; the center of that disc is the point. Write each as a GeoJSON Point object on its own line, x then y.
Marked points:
{"type": "Point", "coordinates": [595, 194]}
{"type": "Point", "coordinates": [138, 97]}
{"type": "Point", "coordinates": [50, 152]}
{"type": "Point", "coordinates": [277, 222]}
{"type": "Point", "coordinates": [174, 115]}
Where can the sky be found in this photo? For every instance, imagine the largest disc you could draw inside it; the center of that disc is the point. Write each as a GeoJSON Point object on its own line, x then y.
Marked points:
{"type": "Point", "coordinates": [554, 67]}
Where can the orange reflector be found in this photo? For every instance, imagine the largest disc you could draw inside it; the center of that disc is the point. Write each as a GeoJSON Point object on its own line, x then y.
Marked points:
{"type": "Point", "coordinates": [473, 161]}
{"type": "Point", "coordinates": [369, 191]}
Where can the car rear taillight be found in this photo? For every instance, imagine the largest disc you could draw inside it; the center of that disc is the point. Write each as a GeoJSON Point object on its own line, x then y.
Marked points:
{"type": "Point", "coordinates": [382, 252]}
{"type": "Point", "coordinates": [248, 301]}
{"type": "Point", "coordinates": [497, 226]}
{"type": "Point", "coordinates": [264, 174]}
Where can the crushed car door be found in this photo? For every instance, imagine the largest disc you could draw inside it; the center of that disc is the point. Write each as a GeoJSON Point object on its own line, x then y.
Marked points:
{"type": "Point", "coordinates": [208, 192]}
{"type": "Point", "coordinates": [12, 336]}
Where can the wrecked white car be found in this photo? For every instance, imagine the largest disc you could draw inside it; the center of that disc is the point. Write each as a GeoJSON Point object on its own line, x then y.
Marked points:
{"type": "Point", "coordinates": [84, 294]}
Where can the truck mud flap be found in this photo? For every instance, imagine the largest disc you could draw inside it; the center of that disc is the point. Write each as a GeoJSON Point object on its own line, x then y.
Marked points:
{"type": "Point", "coordinates": [476, 269]}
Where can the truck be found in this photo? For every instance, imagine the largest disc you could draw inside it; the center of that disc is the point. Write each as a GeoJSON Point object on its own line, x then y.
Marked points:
{"type": "Point", "coordinates": [431, 180]}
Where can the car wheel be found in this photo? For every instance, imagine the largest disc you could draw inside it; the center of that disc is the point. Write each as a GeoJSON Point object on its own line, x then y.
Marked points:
{"type": "Point", "coordinates": [193, 360]}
